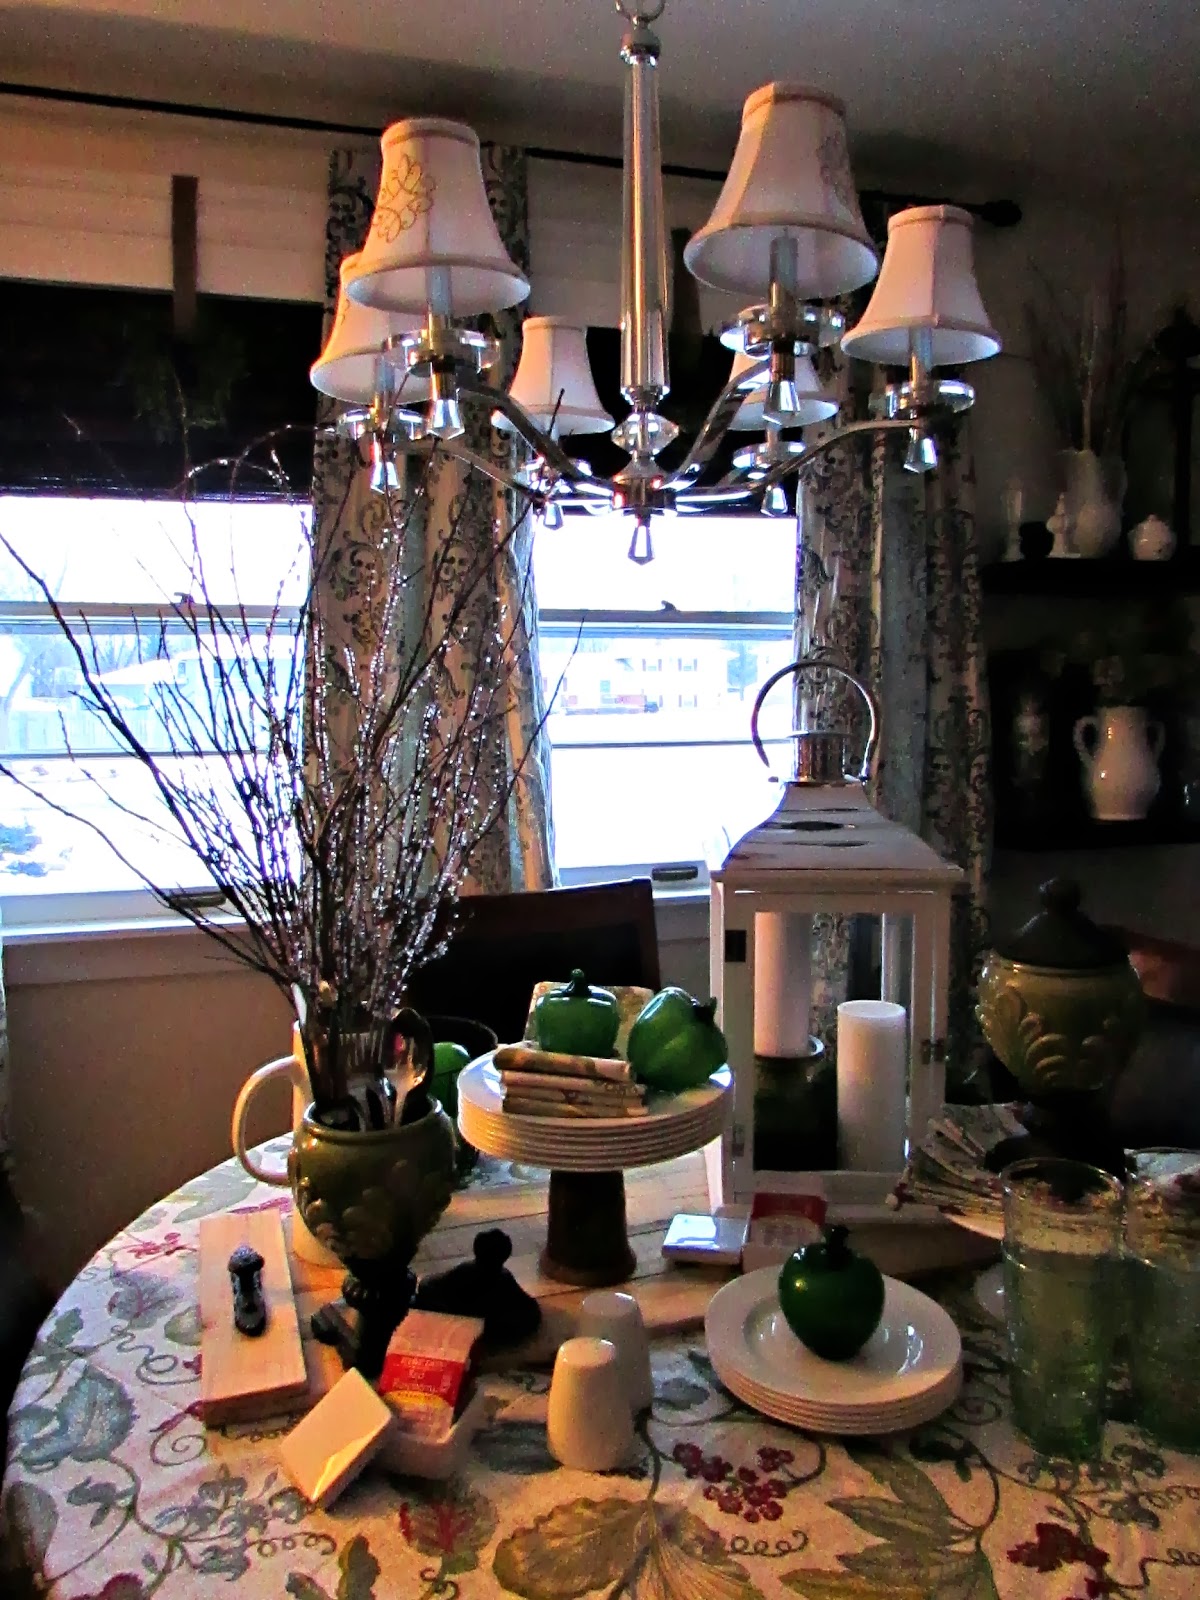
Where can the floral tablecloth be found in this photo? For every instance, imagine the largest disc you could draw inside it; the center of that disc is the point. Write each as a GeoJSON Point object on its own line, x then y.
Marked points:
{"type": "Point", "coordinates": [113, 1488]}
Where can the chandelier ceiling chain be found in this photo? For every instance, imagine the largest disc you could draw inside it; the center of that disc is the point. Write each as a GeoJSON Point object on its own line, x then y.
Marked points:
{"type": "Point", "coordinates": [786, 233]}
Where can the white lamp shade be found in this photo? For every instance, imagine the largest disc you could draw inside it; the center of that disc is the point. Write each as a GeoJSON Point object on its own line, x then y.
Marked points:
{"type": "Point", "coordinates": [348, 368]}
{"type": "Point", "coordinates": [554, 362]}
{"type": "Point", "coordinates": [926, 301]}
{"type": "Point", "coordinates": [433, 243]}
{"type": "Point", "coordinates": [815, 404]}
{"type": "Point", "coordinates": [790, 176]}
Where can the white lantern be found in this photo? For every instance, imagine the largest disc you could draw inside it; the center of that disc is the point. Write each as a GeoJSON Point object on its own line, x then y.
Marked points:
{"type": "Point", "coordinates": [825, 849]}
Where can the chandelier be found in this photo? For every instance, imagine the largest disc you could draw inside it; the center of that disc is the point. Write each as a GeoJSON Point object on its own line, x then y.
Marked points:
{"type": "Point", "coordinates": [786, 233]}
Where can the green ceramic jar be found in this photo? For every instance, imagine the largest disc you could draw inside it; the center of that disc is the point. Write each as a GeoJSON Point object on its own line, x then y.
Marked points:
{"type": "Point", "coordinates": [371, 1197]}
{"type": "Point", "coordinates": [1060, 1002]}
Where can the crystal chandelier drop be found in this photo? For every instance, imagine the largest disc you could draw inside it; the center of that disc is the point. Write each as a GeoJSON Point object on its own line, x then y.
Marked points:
{"type": "Point", "coordinates": [786, 233]}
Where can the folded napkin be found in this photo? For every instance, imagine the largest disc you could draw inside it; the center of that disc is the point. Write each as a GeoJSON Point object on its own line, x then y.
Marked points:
{"type": "Point", "coordinates": [591, 1088]}
{"type": "Point", "coordinates": [527, 1058]}
{"type": "Point", "coordinates": [946, 1169]}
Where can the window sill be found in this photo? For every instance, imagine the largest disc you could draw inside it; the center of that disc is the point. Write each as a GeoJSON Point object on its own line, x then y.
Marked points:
{"type": "Point", "coordinates": [168, 947]}
{"type": "Point", "coordinates": [150, 947]}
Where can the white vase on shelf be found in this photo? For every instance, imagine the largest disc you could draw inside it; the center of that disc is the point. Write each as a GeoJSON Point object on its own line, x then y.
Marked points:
{"type": "Point", "coordinates": [1058, 525]}
{"type": "Point", "coordinates": [1119, 748]}
{"type": "Point", "coordinates": [1094, 491]}
{"type": "Point", "coordinates": [1152, 540]}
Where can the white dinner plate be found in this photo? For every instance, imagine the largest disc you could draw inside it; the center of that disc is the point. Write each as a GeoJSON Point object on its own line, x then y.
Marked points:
{"type": "Point", "coordinates": [987, 1227]}
{"type": "Point", "coordinates": [949, 1380]}
{"type": "Point", "coordinates": [675, 1125]}
{"type": "Point", "coordinates": [909, 1356]}
{"type": "Point", "coordinates": [989, 1291]}
{"type": "Point", "coordinates": [586, 1130]}
{"type": "Point", "coordinates": [860, 1423]}
{"type": "Point", "coordinates": [484, 1089]}
{"type": "Point", "coordinates": [570, 1130]}
{"type": "Point", "coordinates": [870, 1416]}
{"type": "Point", "coordinates": [831, 1412]}
{"type": "Point", "coordinates": [612, 1146]}
{"type": "Point", "coordinates": [543, 1153]}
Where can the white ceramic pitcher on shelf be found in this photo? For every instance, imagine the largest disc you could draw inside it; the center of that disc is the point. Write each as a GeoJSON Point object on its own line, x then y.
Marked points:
{"type": "Point", "coordinates": [1119, 748]}
{"type": "Point", "coordinates": [294, 1069]}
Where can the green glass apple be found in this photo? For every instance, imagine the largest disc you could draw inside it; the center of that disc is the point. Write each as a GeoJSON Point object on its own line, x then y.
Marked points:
{"type": "Point", "coordinates": [831, 1296]}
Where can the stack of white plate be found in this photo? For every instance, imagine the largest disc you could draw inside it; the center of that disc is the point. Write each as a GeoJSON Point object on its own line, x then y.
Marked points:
{"type": "Point", "coordinates": [907, 1373]}
{"type": "Point", "coordinates": [674, 1125]}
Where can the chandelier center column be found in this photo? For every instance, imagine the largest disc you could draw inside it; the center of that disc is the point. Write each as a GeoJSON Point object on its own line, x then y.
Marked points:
{"type": "Point", "coordinates": [645, 278]}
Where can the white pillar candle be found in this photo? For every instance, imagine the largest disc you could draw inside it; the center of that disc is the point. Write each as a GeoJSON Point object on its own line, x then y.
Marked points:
{"type": "Point", "coordinates": [872, 1055]}
{"type": "Point", "coordinates": [782, 983]}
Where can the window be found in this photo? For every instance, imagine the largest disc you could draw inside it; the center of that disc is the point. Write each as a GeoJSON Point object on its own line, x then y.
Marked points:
{"type": "Point", "coordinates": [653, 672]}
{"type": "Point", "coordinates": [115, 565]}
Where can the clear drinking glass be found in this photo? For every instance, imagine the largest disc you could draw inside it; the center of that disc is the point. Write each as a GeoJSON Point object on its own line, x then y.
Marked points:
{"type": "Point", "coordinates": [1162, 1247]}
{"type": "Point", "coordinates": [1062, 1238]}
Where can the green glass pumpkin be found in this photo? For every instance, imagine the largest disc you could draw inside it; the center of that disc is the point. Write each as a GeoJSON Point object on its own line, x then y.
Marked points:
{"type": "Point", "coordinates": [831, 1296]}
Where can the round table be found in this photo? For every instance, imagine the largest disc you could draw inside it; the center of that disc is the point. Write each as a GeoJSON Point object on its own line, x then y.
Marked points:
{"type": "Point", "coordinates": [114, 1490]}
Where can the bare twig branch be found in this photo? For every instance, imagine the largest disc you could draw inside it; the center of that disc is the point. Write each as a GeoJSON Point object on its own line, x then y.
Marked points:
{"type": "Point", "coordinates": [334, 777]}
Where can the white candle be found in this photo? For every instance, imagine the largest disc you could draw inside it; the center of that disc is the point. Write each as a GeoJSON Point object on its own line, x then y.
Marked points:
{"type": "Point", "coordinates": [782, 983]}
{"type": "Point", "coordinates": [872, 1057]}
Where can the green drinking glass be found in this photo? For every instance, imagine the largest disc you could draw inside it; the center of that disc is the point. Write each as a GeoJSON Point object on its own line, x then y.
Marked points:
{"type": "Point", "coordinates": [1062, 1240]}
{"type": "Point", "coordinates": [1162, 1264]}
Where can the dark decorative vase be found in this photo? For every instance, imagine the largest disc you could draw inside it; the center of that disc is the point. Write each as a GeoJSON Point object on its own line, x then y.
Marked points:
{"type": "Point", "coordinates": [371, 1197]}
{"type": "Point", "coordinates": [1062, 1007]}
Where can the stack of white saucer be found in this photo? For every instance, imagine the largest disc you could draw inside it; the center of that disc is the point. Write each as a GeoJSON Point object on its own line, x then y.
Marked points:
{"type": "Point", "coordinates": [906, 1374]}
{"type": "Point", "coordinates": [674, 1124]}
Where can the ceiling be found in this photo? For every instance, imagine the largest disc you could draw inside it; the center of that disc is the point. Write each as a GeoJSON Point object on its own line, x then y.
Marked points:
{"type": "Point", "coordinates": [1100, 94]}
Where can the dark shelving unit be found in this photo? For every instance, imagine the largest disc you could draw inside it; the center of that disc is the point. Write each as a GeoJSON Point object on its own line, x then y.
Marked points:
{"type": "Point", "coordinates": [1087, 834]}
{"type": "Point", "coordinates": [1059, 578]}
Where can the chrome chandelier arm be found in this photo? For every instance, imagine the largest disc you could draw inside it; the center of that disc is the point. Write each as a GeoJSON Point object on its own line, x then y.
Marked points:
{"type": "Point", "coordinates": [849, 430]}
{"type": "Point", "coordinates": [716, 426]}
{"type": "Point", "coordinates": [490, 469]}
{"type": "Point", "coordinates": [735, 489]}
{"type": "Point", "coordinates": [551, 452]}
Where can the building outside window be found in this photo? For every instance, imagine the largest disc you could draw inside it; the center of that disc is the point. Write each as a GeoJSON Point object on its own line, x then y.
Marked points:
{"type": "Point", "coordinates": [114, 566]}
{"type": "Point", "coordinates": [652, 672]}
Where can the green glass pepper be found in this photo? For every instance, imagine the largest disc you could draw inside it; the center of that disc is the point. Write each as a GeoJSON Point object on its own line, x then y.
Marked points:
{"type": "Point", "coordinates": [675, 1044]}
{"type": "Point", "coordinates": [577, 1020]}
{"type": "Point", "coordinates": [831, 1296]}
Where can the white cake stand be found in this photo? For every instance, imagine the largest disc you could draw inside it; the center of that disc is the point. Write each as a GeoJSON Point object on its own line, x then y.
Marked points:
{"type": "Point", "coordinates": [586, 1238]}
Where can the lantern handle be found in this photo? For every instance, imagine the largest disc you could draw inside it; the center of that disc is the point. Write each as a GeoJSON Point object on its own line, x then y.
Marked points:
{"type": "Point", "coordinates": [794, 669]}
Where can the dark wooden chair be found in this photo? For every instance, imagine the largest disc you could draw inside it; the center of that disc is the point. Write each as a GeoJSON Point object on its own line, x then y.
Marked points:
{"type": "Point", "coordinates": [25, 1301]}
{"type": "Point", "coordinates": [505, 943]}
{"type": "Point", "coordinates": [1156, 1099]}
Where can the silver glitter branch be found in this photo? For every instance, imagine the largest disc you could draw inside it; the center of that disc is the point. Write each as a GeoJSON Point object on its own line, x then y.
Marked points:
{"type": "Point", "coordinates": [358, 765]}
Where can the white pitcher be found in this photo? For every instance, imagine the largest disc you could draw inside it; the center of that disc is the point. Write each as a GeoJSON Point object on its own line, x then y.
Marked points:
{"type": "Point", "coordinates": [1120, 762]}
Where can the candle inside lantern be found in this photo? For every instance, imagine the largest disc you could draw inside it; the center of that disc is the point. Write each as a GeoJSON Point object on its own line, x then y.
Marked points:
{"type": "Point", "coordinates": [782, 983]}
{"type": "Point", "coordinates": [872, 1054]}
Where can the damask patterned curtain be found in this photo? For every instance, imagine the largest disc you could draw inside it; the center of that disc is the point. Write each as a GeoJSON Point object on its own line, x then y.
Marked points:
{"type": "Point", "coordinates": [456, 504]}
{"type": "Point", "coordinates": [888, 584]}
{"type": "Point", "coordinates": [6, 1159]}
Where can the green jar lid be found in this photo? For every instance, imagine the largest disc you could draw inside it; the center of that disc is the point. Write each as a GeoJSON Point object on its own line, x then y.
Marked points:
{"type": "Point", "coordinates": [1061, 936]}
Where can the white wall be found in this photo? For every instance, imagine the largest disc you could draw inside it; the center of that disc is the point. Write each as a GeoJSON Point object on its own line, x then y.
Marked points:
{"type": "Point", "coordinates": [1071, 243]}
{"type": "Point", "coordinates": [127, 1054]}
